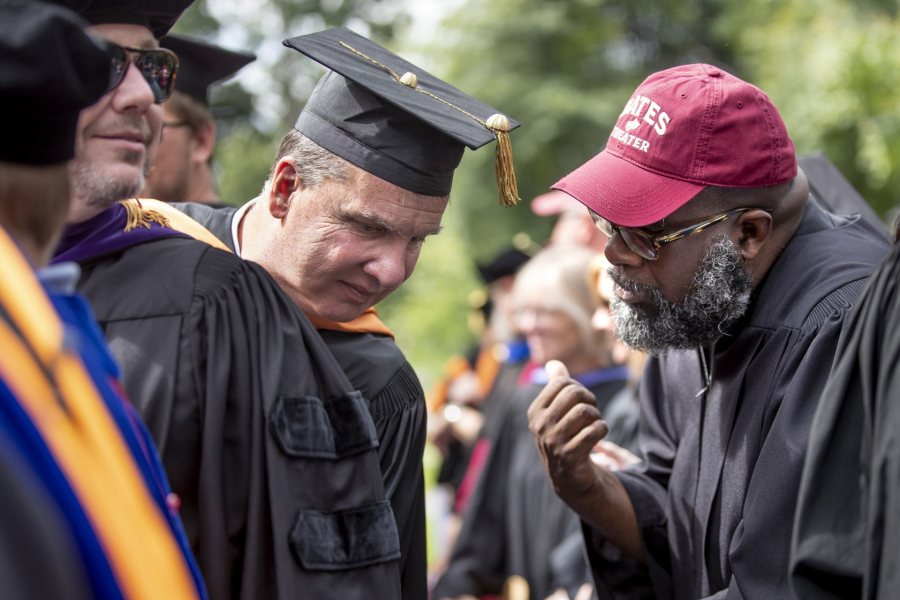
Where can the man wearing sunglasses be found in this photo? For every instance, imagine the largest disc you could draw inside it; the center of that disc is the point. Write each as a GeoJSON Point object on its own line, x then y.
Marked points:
{"type": "Point", "coordinates": [271, 453]}
{"type": "Point", "coordinates": [83, 511]}
{"type": "Point", "coordinates": [730, 274]}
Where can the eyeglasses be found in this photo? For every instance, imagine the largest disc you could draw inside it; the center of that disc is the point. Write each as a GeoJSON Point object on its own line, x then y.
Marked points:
{"type": "Point", "coordinates": [646, 244]}
{"type": "Point", "coordinates": [158, 66]}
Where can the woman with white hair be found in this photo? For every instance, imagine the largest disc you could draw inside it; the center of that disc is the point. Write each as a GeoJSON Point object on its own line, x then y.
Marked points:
{"type": "Point", "coordinates": [515, 524]}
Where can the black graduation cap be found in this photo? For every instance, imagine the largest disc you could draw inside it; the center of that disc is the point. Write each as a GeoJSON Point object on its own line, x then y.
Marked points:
{"type": "Point", "coordinates": [509, 260]}
{"type": "Point", "coordinates": [201, 64]}
{"type": "Point", "coordinates": [156, 15]}
{"type": "Point", "coordinates": [50, 69]}
{"type": "Point", "coordinates": [395, 120]}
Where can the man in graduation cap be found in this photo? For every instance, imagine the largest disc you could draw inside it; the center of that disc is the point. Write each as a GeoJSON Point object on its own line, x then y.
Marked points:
{"type": "Point", "coordinates": [182, 171]}
{"type": "Point", "coordinates": [357, 186]}
{"type": "Point", "coordinates": [84, 501]}
{"type": "Point", "coordinates": [737, 282]}
{"type": "Point", "coordinates": [270, 451]}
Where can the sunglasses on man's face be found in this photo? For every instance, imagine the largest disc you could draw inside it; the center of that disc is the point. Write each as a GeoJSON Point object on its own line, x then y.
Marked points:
{"type": "Point", "coordinates": [646, 244]}
{"type": "Point", "coordinates": [158, 66]}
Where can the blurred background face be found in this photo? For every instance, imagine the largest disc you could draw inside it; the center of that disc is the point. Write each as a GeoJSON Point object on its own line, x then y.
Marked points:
{"type": "Point", "coordinates": [168, 179]}
{"type": "Point", "coordinates": [554, 300]}
{"type": "Point", "coordinates": [550, 333]}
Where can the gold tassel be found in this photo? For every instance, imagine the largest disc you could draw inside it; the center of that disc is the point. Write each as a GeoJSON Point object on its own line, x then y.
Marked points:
{"type": "Point", "coordinates": [506, 172]}
{"type": "Point", "coordinates": [498, 124]}
{"type": "Point", "coordinates": [138, 216]}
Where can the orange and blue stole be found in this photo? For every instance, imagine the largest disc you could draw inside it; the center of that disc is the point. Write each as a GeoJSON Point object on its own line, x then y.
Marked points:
{"type": "Point", "coordinates": [59, 407]}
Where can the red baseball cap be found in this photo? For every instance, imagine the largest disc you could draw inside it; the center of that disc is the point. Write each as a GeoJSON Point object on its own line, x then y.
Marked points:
{"type": "Point", "coordinates": [683, 129]}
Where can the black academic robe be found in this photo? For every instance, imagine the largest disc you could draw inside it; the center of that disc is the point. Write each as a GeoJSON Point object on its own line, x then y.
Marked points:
{"type": "Point", "coordinates": [847, 525]}
{"type": "Point", "coordinates": [272, 453]}
{"type": "Point", "coordinates": [715, 495]}
{"type": "Point", "coordinates": [376, 368]}
{"type": "Point", "coordinates": [515, 524]}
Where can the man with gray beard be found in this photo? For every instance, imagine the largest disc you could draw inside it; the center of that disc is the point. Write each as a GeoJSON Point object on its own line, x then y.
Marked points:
{"type": "Point", "coordinates": [720, 294]}
{"type": "Point", "coordinates": [730, 274]}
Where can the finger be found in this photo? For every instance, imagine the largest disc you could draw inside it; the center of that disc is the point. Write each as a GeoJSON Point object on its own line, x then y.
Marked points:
{"type": "Point", "coordinates": [549, 393]}
{"type": "Point", "coordinates": [582, 443]}
{"type": "Point", "coordinates": [573, 403]}
{"type": "Point", "coordinates": [555, 368]}
{"type": "Point", "coordinates": [548, 408]}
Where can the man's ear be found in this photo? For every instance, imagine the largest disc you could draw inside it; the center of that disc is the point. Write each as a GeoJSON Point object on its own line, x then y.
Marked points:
{"type": "Point", "coordinates": [754, 232]}
{"type": "Point", "coordinates": [204, 143]}
{"type": "Point", "coordinates": [285, 181]}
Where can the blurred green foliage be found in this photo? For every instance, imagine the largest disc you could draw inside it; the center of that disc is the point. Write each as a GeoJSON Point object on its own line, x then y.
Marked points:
{"type": "Point", "coordinates": [565, 69]}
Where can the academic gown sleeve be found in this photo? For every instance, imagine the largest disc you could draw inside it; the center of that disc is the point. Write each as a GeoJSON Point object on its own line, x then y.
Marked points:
{"type": "Point", "coordinates": [646, 485]}
{"type": "Point", "coordinates": [757, 542]}
{"type": "Point", "coordinates": [377, 368]}
{"type": "Point", "coordinates": [846, 525]}
{"type": "Point", "coordinates": [271, 451]}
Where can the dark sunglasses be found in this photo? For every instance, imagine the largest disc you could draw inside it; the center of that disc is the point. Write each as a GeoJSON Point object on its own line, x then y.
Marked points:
{"type": "Point", "coordinates": [158, 66]}
{"type": "Point", "coordinates": [647, 245]}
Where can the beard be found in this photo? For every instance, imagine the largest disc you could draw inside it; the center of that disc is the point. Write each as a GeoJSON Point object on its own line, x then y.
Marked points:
{"type": "Point", "coordinates": [717, 297]}
{"type": "Point", "coordinates": [93, 181]}
{"type": "Point", "coordinates": [98, 189]}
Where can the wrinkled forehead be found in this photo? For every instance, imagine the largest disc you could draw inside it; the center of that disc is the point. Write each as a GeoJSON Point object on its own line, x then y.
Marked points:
{"type": "Point", "coordinates": [126, 34]}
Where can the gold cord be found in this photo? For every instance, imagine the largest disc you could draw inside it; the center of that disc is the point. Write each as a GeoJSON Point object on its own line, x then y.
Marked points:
{"type": "Point", "coordinates": [138, 216]}
{"type": "Point", "coordinates": [498, 124]}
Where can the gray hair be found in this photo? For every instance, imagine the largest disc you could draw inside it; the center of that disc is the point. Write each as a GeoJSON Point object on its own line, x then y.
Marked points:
{"type": "Point", "coordinates": [557, 278]}
{"type": "Point", "coordinates": [315, 164]}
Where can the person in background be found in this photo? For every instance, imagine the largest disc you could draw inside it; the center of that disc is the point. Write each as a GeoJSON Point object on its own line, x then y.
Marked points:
{"type": "Point", "coordinates": [86, 509]}
{"type": "Point", "coordinates": [271, 452]}
{"type": "Point", "coordinates": [515, 524]}
{"type": "Point", "coordinates": [357, 186]}
{"type": "Point", "coordinates": [737, 283]}
{"type": "Point", "coordinates": [183, 169]}
{"type": "Point", "coordinates": [460, 401]}
{"type": "Point", "coordinates": [464, 403]}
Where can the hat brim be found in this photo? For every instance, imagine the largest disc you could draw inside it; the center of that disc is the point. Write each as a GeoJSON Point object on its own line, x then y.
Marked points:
{"type": "Point", "coordinates": [624, 193]}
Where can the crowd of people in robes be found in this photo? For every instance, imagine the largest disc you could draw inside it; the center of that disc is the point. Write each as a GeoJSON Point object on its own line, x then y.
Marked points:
{"type": "Point", "coordinates": [683, 393]}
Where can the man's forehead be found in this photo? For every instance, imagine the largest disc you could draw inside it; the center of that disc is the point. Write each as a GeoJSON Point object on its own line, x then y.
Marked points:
{"type": "Point", "coordinates": [126, 34]}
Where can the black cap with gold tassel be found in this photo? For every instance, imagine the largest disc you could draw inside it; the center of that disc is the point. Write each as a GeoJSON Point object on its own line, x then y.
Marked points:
{"type": "Point", "coordinates": [395, 120]}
